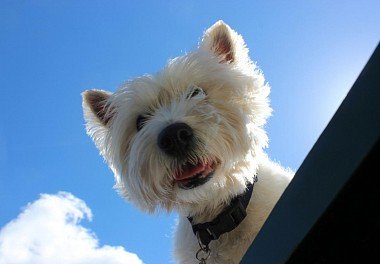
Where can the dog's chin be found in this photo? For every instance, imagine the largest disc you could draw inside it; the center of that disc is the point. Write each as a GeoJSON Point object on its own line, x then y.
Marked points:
{"type": "Point", "coordinates": [191, 176]}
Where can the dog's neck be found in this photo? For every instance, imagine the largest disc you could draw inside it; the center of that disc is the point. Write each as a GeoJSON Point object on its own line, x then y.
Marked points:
{"type": "Point", "coordinates": [221, 197]}
{"type": "Point", "coordinates": [209, 210]}
{"type": "Point", "coordinates": [227, 220]}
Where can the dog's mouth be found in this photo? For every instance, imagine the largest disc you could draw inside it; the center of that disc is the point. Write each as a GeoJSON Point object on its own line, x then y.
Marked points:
{"type": "Point", "coordinates": [191, 176]}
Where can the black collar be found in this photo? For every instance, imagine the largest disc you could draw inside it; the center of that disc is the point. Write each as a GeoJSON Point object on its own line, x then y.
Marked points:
{"type": "Point", "coordinates": [227, 220]}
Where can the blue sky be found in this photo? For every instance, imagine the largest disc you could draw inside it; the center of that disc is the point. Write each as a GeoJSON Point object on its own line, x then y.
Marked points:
{"type": "Point", "coordinates": [50, 51]}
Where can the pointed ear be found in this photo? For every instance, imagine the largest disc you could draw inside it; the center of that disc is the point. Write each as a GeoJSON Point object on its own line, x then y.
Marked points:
{"type": "Point", "coordinates": [96, 106]}
{"type": "Point", "coordinates": [224, 42]}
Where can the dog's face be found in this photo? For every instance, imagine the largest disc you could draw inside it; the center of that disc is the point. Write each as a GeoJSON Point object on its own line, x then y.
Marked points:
{"type": "Point", "coordinates": [188, 133]}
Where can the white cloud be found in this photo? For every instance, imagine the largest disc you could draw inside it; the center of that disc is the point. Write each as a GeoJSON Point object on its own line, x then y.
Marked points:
{"type": "Point", "coordinates": [49, 231]}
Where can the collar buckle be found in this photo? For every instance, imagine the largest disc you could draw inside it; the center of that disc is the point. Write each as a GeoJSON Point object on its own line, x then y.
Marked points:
{"type": "Point", "coordinates": [237, 213]}
{"type": "Point", "coordinates": [227, 221]}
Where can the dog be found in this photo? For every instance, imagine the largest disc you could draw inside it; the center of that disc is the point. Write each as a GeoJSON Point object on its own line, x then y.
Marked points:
{"type": "Point", "coordinates": [191, 138]}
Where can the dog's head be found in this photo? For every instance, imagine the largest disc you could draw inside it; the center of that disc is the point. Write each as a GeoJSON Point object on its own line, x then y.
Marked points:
{"type": "Point", "coordinates": [187, 134]}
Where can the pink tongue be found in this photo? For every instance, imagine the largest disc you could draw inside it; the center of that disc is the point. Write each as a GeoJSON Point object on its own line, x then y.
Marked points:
{"type": "Point", "coordinates": [191, 172]}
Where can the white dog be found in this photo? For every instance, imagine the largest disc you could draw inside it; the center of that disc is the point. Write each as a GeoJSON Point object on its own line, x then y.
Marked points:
{"type": "Point", "coordinates": [191, 138]}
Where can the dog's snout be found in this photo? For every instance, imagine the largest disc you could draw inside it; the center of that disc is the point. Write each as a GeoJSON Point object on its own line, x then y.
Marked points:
{"type": "Point", "coordinates": [176, 139]}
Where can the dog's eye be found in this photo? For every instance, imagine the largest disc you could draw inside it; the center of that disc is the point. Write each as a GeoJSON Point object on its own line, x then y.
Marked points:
{"type": "Point", "coordinates": [196, 91]}
{"type": "Point", "coordinates": [140, 121]}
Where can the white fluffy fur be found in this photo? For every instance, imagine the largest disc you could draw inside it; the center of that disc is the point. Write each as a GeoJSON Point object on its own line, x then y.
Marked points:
{"type": "Point", "coordinates": [228, 122]}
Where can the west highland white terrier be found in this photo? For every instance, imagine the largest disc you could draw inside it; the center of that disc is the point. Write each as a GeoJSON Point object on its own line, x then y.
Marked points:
{"type": "Point", "coordinates": [191, 138]}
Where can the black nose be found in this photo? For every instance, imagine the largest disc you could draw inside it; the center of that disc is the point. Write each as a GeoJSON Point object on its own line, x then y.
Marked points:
{"type": "Point", "coordinates": [176, 139]}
